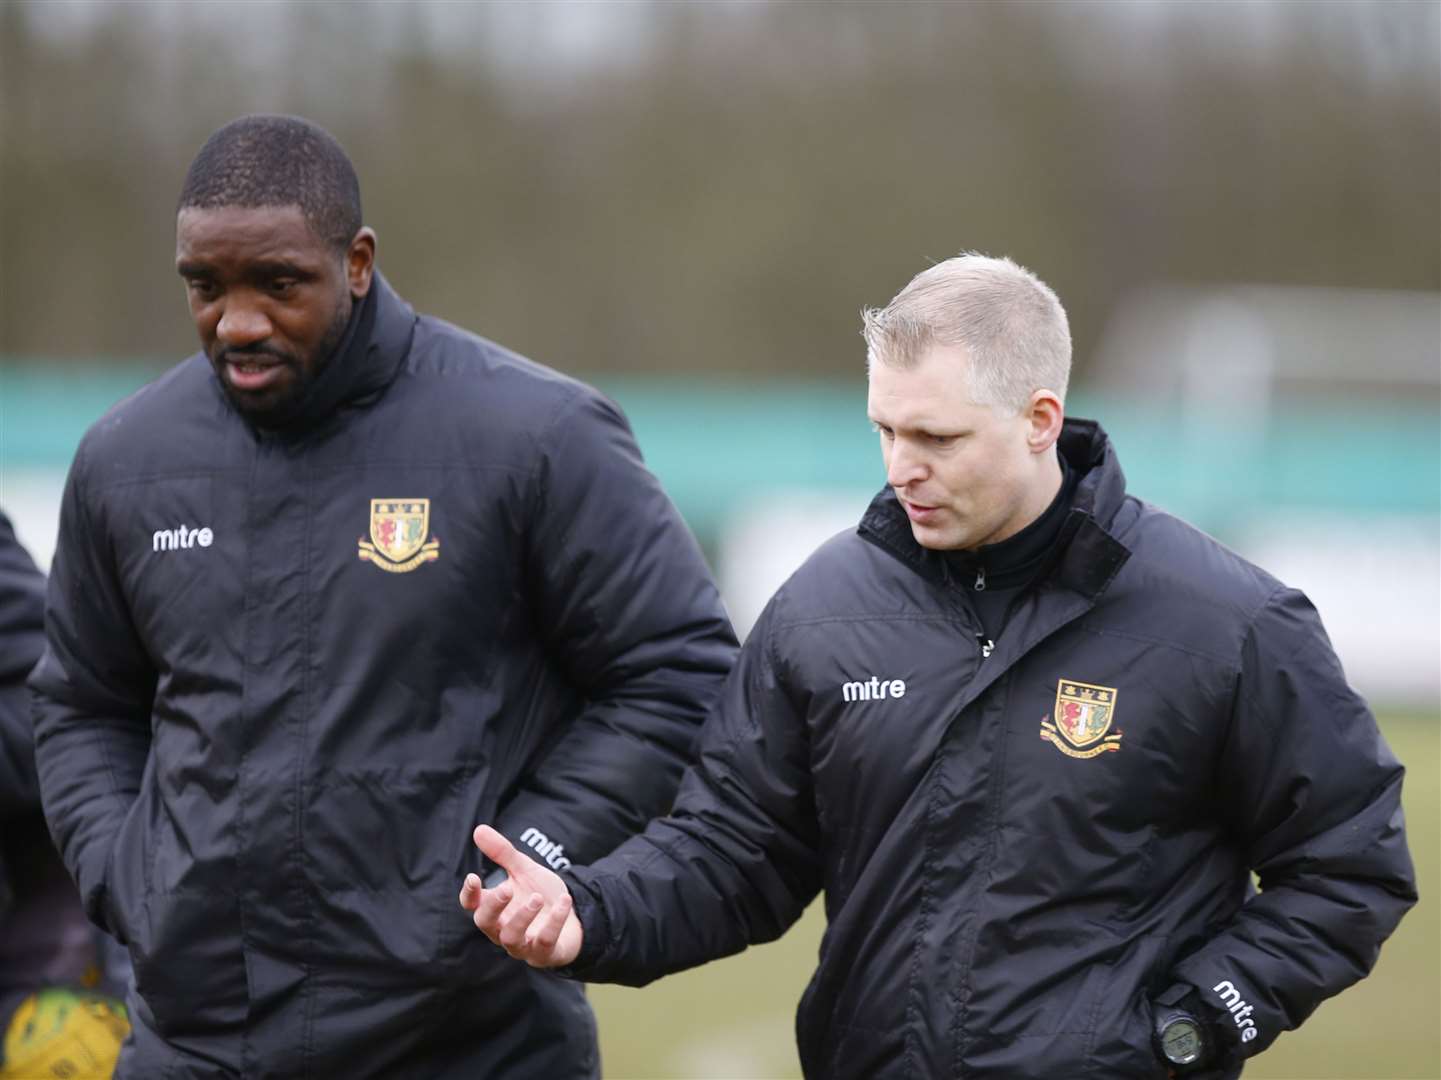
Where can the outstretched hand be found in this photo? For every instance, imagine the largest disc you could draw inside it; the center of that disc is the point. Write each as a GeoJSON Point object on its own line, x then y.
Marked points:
{"type": "Point", "coordinates": [529, 915]}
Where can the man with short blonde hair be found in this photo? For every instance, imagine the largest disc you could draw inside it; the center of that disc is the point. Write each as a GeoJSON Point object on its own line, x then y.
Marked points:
{"type": "Point", "coordinates": [1031, 736]}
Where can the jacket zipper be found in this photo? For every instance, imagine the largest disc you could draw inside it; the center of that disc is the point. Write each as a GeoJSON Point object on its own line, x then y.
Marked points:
{"type": "Point", "coordinates": [984, 642]}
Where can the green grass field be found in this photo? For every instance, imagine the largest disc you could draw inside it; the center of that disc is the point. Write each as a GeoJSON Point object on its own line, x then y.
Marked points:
{"type": "Point", "coordinates": [733, 1020]}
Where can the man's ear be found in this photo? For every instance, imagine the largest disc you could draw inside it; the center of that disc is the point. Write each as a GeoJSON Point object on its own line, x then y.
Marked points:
{"type": "Point", "coordinates": [360, 262]}
{"type": "Point", "coordinates": [1044, 415]}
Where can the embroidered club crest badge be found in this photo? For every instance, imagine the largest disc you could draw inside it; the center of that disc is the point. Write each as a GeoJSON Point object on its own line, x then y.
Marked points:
{"type": "Point", "coordinates": [1083, 718]}
{"type": "Point", "coordinates": [398, 530]}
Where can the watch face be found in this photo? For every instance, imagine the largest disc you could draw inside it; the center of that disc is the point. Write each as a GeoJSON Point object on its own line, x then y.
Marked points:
{"type": "Point", "coordinates": [1181, 1042]}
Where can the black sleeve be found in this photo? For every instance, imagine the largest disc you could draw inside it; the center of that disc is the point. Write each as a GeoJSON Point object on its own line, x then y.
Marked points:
{"type": "Point", "coordinates": [632, 617]}
{"type": "Point", "coordinates": [22, 637]}
{"type": "Point", "coordinates": [93, 690]}
{"type": "Point", "coordinates": [1314, 793]}
{"type": "Point", "coordinates": [736, 861]}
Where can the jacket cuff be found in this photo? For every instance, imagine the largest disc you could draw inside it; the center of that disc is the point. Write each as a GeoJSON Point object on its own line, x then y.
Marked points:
{"type": "Point", "coordinates": [595, 930]}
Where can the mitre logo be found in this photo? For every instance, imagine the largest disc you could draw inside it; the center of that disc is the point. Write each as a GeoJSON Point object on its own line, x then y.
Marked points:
{"type": "Point", "coordinates": [398, 530]}
{"type": "Point", "coordinates": [182, 536]}
{"type": "Point", "coordinates": [873, 689]}
{"type": "Point", "coordinates": [1083, 717]}
{"type": "Point", "coordinates": [1238, 1007]}
{"type": "Point", "coordinates": [552, 852]}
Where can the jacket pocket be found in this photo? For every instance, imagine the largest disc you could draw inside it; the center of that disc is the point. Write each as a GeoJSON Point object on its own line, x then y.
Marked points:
{"type": "Point", "coordinates": [127, 873]}
{"type": "Point", "coordinates": [1120, 1046]}
{"type": "Point", "coordinates": [190, 969]}
{"type": "Point", "coordinates": [381, 843]}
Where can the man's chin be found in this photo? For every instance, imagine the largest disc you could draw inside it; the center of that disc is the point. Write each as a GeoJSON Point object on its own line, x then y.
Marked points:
{"type": "Point", "coordinates": [263, 403]}
{"type": "Point", "coordinates": [938, 537]}
{"type": "Point", "coordinates": [930, 537]}
{"type": "Point", "coordinates": [265, 408]}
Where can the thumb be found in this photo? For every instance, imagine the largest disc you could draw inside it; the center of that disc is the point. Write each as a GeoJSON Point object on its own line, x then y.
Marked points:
{"type": "Point", "coordinates": [499, 850]}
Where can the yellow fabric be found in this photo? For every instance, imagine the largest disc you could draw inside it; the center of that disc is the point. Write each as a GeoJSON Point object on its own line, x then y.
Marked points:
{"type": "Point", "coordinates": [63, 1035]}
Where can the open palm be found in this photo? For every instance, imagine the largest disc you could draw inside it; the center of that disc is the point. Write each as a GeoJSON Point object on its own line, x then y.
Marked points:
{"type": "Point", "coordinates": [530, 914]}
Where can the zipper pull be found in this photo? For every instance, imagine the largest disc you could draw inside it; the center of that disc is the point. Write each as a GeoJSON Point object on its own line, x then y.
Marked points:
{"type": "Point", "coordinates": [986, 645]}
{"type": "Point", "coordinates": [980, 584]}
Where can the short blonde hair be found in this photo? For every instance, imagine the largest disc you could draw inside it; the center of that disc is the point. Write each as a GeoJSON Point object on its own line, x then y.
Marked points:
{"type": "Point", "coordinates": [1010, 323]}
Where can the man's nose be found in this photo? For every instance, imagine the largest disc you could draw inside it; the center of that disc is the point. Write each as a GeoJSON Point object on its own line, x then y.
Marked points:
{"type": "Point", "coordinates": [241, 324]}
{"type": "Point", "coordinates": [904, 466]}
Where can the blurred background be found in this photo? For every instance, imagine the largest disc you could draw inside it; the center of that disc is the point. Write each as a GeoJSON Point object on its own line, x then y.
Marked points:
{"type": "Point", "coordinates": [688, 204]}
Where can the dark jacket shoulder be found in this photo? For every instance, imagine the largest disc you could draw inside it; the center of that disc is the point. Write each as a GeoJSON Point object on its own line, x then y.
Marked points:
{"type": "Point", "coordinates": [479, 403]}
{"type": "Point", "coordinates": [456, 361]}
{"type": "Point", "coordinates": [847, 578]}
{"type": "Point", "coordinates": [160, 424]}
{"type": "Point", "coordinates": [1182, 586]}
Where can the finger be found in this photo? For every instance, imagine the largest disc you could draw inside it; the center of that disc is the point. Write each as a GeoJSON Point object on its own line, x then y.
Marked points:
{"type": "Point", "coordinates": [515, 921]}
{"type": "Point", "coordinates": [545, 931]}
{"type": "Point", "coordinates": [470, 892]}
{"type": "Point", "coordinates": [488, 910]}
{"type": "Point", "coordinates": [499, 850]}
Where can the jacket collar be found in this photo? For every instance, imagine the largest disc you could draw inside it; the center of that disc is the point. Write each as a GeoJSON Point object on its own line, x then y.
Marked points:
{"type": "Point", "coordinates": [1090, 555]}
{"type": "Point", "coordinates": [366, 361]}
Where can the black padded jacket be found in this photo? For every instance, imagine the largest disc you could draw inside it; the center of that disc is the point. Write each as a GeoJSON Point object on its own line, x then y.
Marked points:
{"type": "Point", "coordinates": [288, 672]}
{"type": "Point", "coordinates": [1019, 852]}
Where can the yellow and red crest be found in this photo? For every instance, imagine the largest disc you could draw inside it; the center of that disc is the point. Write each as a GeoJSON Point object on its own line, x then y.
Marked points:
{"type": "Point", "coordinates": [1083, 717]}
{"type": "Point", "coordinates": [398, 531]}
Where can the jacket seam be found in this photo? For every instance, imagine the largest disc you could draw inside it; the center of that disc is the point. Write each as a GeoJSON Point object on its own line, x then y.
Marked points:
{"type": "Point", "coordinates": [923, 917]}
{"type": "Point", "coordinates": [438, 464]}
{"type": "Point", "coordinates": [772, 659]}
{"type": "Point", "coordinates": [247, 945]}
{"type": "Point", "coordinates": [1151, 639]}
{"type": "Point", "coordinates": [551, 423]}
{"type": "Point", "coordinates": [538, 492]}
{"type": "Point", "coordinates": [180, 474]}
{"type": "Point", "coordinates": [1244, 698]}
{"type": "Point", "coordinates": [1001, 689]}
{"type": "Point", "coordinates": [344, 467]}
{"type": "Point", "coordinates": [869, 617]}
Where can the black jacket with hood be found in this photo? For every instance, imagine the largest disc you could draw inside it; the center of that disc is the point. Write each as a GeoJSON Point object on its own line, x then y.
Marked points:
{"type": "Point", "coordinates": [1019, 852]}
{"type": "Point", "coordinates": [289, 671]}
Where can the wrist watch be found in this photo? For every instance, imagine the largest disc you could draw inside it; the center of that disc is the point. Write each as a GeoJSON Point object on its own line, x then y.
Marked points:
{"type": "Point", "coordinates": [1180, 1036]}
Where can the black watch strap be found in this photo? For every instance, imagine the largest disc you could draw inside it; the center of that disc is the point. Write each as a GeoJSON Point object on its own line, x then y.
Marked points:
{"type": "Point", "coordinates": [1174, 995]}
{"type": "Point", "coordinates": [1180, 1035]}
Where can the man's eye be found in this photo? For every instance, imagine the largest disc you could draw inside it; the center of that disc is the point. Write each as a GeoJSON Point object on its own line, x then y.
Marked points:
{"type": "Point", "coordinates": [199, 287]}
{"type": "Point", "coordinates": [944, 440]}
{"type": "Point", "coordinates": [283, 286]}
{"type": "Point", "coordinates": [885, 432]}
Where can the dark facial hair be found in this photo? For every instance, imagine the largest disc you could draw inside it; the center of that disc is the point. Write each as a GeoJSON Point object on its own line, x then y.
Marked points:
{"type": "Point", "coordinates": [273, 410]}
